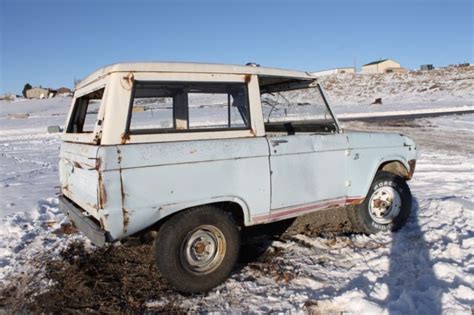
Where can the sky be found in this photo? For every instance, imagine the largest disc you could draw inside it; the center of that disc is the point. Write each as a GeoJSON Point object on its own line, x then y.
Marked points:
{"type": "Point", "coordinates": [52, 43]}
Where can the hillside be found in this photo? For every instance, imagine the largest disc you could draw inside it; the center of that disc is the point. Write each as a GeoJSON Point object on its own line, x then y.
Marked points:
{"type": "Point", "coordinates": [416, 89]}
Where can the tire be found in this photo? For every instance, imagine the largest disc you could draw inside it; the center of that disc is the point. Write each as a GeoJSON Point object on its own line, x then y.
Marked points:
{"type": "Point", "coordinates": [197, 249]}
{"type": "Point", "coordinates": [386, 207]}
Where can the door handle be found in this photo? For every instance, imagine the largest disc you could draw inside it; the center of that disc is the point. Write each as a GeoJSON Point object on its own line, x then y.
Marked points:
{"type": "Point", "coordinates": [277, 142]}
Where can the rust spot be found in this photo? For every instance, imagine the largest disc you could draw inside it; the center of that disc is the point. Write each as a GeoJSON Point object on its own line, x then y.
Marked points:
{"type": "Point", "coordinates": [248, 77]}
{"type": "Point", "coordinates": [200, 247]}
{"type": "Point", "coordinates": [125, 212]}
{"type": "Point", "coordinates": [125, 137]}
{"type": "Point", "coordinates": [102, 193]}
{"type": "Point", "coordinates": [98, 163]}
{"type": "Point", "coordinates": [126, 219]}
{"type": "Point", "coordinates": [379, 203]}
{"type": "Point", "coordinates": [119, 157]}
{"type": "Point", "coordinates": [354, 201]}
{"type": "Point", "coordinates": [129, 78]}
{"type": "Point", "coordinates": [412, 164]}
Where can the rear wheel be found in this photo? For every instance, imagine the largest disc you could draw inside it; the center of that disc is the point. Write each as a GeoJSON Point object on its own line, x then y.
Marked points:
{"type": "Point", "coordinates": [386, 207]}
{"type": "Point", "coordinates": [196, 249]}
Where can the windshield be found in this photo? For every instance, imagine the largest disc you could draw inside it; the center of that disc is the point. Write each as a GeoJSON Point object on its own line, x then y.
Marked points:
{"type": "Point", "coordinates": [295, 102]}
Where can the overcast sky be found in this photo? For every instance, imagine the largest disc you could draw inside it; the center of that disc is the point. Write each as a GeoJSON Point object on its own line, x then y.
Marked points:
{"type": "Point", "coordinates": [50, 43]}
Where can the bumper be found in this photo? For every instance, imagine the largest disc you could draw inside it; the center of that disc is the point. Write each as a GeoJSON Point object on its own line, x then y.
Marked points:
{"type": "Point", "coordinates": [86, 225]}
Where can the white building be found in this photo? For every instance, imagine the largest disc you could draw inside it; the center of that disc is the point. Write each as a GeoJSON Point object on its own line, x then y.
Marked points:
{"type": "Point", "coordinates": [382, 66]}
{"type": "Point", "coordinates": [334, 71]}
{"type": "Point", "coordinates": [37, 92]}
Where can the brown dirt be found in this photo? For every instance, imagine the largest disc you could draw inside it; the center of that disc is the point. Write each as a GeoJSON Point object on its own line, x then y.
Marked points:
{"type": "Point", "coordinates": [122, 279]}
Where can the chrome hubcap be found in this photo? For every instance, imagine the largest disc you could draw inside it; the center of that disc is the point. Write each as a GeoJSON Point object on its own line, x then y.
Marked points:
{"type": "Point", "coordinates": [384, 205]}
{"type": "Point", "coordinates": [203, 249]}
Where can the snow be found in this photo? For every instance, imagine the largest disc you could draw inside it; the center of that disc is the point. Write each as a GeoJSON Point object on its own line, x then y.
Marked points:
{"type": "Point", "coordinates": [425, 268]}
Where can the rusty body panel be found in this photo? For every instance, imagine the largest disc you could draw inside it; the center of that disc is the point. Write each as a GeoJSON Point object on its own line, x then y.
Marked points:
{"type": "Point", "coordinates": [126, 182]}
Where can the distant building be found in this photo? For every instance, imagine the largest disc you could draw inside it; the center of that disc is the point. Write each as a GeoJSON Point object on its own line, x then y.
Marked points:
{"type": "Point", "coordinates": [426, 67]}
{"type": "Point", "coordinates": [8, 97]}
{"type": "Point", "coordinates": [381, 66]}
{"type": "Point", "coordinates": [63, 90]}
{"type": "Point", "coordinates": [334, 71]}
{"type": "Point", "coordinates": [37, 92]}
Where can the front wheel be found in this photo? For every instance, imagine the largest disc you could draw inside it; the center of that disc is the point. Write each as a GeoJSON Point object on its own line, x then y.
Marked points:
{"type": "Point", "coordinates": [386, 207]}
{"type": "Point", "coordinates": [196, 249]}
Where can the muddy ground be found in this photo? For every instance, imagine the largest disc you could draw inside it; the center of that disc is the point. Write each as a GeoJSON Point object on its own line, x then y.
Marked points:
{"type": "Point", "coordinates": [123, 278]}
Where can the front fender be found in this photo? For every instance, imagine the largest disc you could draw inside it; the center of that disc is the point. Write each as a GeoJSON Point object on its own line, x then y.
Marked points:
{"type": "Point", "coordinates": [362, 174]}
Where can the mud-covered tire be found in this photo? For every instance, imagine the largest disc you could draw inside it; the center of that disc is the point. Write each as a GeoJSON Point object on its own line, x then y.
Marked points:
{"type": "Point", "coordinates": [197, 249]}
{"type": "Point", "coordinates": [386, 207]}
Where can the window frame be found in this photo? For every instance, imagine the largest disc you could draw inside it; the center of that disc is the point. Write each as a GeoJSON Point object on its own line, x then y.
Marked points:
{"type": "Point", "coordinates": [299, 85]}
{"type": "Point", "coordinates": [96, 136]}
{"type": "Point", "coordinates": [155, 131]}
{"type": "Point", "coordinates": [74, 113]}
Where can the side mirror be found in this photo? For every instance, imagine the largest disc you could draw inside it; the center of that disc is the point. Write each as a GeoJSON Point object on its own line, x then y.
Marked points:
{"type": "Point", "coordinates": [54, 129]}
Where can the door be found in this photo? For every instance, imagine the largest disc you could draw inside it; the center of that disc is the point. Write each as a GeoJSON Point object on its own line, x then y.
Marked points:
{"type": "Point", "coordinates": [307, 172]}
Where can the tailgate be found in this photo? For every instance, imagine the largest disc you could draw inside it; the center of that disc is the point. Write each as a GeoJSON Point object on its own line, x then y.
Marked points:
{"type": "Point", "coordinates": [79, 175]}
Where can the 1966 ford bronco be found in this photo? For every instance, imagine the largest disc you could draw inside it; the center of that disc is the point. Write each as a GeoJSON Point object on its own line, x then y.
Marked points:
{"type": "Point", "coordinates": [197, 151]}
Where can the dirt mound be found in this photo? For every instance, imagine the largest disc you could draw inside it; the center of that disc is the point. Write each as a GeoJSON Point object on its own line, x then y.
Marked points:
{"type": "Point", "coordinates": [106, 280]}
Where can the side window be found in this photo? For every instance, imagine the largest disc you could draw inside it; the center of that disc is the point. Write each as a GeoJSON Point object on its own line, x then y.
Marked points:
{"type": "Point", "coordinates": [179, 107]}
{"type": "Point", "coordinates": [85, 111]}
{"type": "Point", "coordinates": [152, 113]}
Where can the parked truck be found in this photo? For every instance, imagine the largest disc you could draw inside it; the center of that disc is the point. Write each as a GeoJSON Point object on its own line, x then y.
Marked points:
{"type": "Point", "coordinates": [198, 151]}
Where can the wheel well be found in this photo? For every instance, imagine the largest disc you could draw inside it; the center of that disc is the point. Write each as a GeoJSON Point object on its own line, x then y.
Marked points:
{"type": "Point", "coordinates": [228, 206]}
{"type": "Point", "coordinates": [395, 167]}
{"type": "Point", "coordinates": [234, 209]}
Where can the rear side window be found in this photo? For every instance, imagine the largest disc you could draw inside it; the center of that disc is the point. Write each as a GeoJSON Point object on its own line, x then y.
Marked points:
{"type": "Point", "coordinates": [159, 107]}
{"type": "Point", "coordinates": [85, 111]}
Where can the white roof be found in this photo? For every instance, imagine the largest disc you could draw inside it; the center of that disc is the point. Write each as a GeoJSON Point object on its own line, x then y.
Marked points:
{"type": "Point", "coordinates": [193, 68]}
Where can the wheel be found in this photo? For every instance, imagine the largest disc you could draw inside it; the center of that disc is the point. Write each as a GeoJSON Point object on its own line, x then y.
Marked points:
{"type": "Point", "coordinates": [196, 249]}
{"type": "Point", "coordinates": [386, 207]}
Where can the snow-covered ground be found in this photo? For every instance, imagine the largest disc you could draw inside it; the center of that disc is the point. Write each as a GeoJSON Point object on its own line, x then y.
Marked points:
{"type": "Point", "coordinates": [425, 268]}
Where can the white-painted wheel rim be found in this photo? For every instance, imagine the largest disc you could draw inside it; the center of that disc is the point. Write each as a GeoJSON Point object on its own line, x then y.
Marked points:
{"type": "Point", "coordinates": [384, 205]}
{"type": "Point", "coordinates": [203, 249]}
